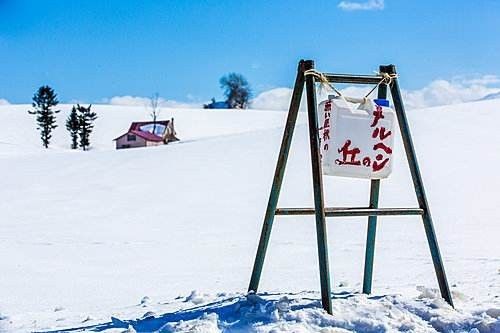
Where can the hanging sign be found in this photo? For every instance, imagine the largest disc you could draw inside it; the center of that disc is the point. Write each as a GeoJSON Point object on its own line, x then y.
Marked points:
{"type": "Point", "coordinates": [356, 142]}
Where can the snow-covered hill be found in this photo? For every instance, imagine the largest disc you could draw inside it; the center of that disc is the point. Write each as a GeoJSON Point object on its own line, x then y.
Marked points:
{"type": "Point", "coordinates": [87, 235]}
{"type": "Point", "coordinates": [491, 96]}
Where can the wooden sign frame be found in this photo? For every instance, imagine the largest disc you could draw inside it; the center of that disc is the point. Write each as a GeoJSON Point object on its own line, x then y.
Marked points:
{"type": "Point", "coordinates": [319, 210]}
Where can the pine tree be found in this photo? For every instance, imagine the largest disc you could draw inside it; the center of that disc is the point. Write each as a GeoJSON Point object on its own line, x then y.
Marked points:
{"type": "Point", "coordinates": [86, 124]}
{"type": "Point", "coordinates": [43, 102]}
{"type": "Point", "coordinates": [73, 125]}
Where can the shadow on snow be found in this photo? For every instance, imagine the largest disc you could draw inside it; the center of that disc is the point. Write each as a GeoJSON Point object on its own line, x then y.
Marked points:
{"type": "Point", "coordinates": [235, 314]}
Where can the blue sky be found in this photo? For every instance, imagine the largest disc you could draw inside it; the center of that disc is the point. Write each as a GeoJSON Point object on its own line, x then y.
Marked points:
{"type": "Point", "coordinates": [92, 50]}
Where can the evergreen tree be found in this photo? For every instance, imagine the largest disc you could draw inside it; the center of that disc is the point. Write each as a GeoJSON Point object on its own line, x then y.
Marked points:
{"type": "Point", "coordinates": [86, 124]}
{"type": "Point", "coordinates": [43, 102]}
{"type": "Point", "coordinates": [73, 126]}
{"type": "Point", "coordinates": [236, 89]}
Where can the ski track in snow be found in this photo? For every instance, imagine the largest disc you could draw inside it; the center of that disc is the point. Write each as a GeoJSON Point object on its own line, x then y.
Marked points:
{"type": "Point", "coordinates": [85, 233]}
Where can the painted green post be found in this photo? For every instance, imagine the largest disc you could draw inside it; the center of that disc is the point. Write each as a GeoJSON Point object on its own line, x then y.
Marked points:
{"type": "Point", "coordinates": [419, 189]}
{"type": "Point", "coordinates": [278, 178]}
{"type": "Point", "coordinates": [319, 210]}
{"type": "Point", "coordinates": [319, 206]}
{"type": "Point", "coordinates": [372, 220]}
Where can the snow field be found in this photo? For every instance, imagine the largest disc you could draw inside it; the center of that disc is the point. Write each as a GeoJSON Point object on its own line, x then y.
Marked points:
{"type": "Point", "coordinates": [86, 235]}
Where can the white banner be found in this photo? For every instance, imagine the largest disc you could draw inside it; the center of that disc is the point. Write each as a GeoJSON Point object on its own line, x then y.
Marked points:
{"type": "Point", "coordinates": [356, 142]}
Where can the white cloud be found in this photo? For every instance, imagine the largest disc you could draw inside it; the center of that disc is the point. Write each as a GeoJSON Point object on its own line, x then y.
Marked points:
{"type": "Point", "coordinates": [437, 92]}
{"type": "Point", "coordinates": [481, 80]}
{"type": "Point", "coordinates": [274, 99]}
{"type": "Point", "coordinates": [365, 5]}
{"type": "Point", "coordinates": [441, 92]}
{"type": "Point", "coordinates": [255, 65]}
{"type": "Point", "coordinates": [4, 101]}
{"type": "Point", "coordinates": [145, 101]}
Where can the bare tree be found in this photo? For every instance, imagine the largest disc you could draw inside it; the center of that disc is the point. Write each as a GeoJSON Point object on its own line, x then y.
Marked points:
{"type": "Point", "coordinates": [154, 104]}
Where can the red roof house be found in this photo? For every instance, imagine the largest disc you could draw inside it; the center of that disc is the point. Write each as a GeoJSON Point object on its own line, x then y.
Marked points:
{"type": "Point", "coordinates": [147, 133]}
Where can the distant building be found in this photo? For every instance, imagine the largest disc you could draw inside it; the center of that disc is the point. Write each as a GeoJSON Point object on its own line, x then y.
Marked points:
{"type": "Point", "coordinates": [147, 133]}
{"type": "Point", "coordinates": [217, 105]}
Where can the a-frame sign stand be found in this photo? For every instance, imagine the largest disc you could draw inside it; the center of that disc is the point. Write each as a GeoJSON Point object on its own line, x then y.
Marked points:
{"type": "Point", "coordinates": [319, 210]}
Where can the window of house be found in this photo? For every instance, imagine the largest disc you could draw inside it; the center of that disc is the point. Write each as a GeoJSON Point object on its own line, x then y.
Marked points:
{"type": "Point", "coordinates": [130, 137]}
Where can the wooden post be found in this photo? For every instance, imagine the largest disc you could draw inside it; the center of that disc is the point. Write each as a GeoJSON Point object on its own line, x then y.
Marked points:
{"type": "Point", "coordinates": [278, 178]}
{"type": "Point", "coordinates": [372, 220]}
{"type": "Point", "coordinates": [319, 205]}
{"type": "Point", "coordinates": [419, 189]}
{"type": "Point", "coordinates": [319, 210]}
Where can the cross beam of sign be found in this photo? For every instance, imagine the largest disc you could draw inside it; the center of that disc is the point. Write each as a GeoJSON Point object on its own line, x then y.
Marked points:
{"type": "Point", "coordinates": [319, 210]}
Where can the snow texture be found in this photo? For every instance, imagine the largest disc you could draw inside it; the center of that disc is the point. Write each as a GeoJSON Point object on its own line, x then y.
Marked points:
{"type": "Point", "coordinates": [129, 234]}
{"type": "Point", "coordinates": [302, 312]}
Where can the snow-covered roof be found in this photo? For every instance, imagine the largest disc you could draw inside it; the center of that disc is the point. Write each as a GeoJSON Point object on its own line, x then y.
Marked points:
{"type": "Point", "coordinates": [144, 129]}
{"type": "Point", "coordinates": [146, 135]}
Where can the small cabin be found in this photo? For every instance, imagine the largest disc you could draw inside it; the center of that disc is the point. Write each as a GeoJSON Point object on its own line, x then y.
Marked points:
{"type": "Point", "coordinates": [147, 133]}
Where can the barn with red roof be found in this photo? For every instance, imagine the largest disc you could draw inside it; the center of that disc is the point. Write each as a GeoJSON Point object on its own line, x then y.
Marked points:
{"type": "Point", "coordinates": [147, 133]}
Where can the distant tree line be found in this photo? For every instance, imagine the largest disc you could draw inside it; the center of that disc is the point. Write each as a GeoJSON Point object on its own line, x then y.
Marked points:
{"type": "Point", "coordinates": [79, 123]}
